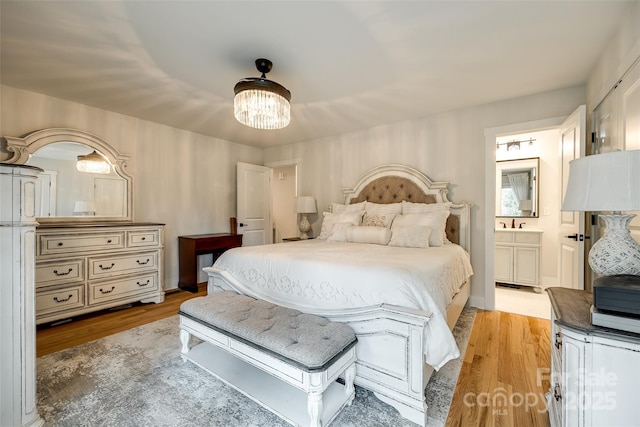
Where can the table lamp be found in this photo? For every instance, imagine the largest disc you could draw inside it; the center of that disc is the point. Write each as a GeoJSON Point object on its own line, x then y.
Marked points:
{"type": "Point", "coordinates": [608, 182]}
{"type": "Point", "coordinates": [305, 205]}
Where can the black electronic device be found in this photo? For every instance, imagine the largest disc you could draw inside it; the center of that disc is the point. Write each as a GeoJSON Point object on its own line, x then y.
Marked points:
{"type": "Point", "coordinates": [618, 293]}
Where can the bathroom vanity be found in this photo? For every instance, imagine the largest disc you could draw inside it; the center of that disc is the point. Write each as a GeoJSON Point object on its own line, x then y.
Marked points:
{"type": "Point", "coordinates": [517, 257]}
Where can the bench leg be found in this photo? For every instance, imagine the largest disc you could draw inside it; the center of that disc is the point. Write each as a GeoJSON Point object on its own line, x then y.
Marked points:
{"type": "Point", "coordinates": [349, 377]}
{"type": "Point", "coordinates": [314, 406]}
{"type": "Point", "coordinates": [184, 339]}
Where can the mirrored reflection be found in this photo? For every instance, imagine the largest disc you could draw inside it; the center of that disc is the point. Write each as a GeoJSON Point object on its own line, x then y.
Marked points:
{"type": "Point", "coordinates": [517, 188]}
{"type": "Point", "coordinates": [64, 191]}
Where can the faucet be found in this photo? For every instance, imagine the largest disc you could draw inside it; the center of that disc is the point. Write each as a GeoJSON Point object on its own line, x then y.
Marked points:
{"type": "Point", "coordinates": [504, 224]}
{"type": "Point", "coordinates": [513, 223]}
{"type": "Point", "coordinates": [521, 224]}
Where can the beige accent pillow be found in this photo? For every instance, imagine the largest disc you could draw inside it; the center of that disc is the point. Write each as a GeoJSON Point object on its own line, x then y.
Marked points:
{"type": "Point", "coordinates": [340, 208]}
{"type": "Point", "coordinates": [374, 235]}
{"type": "Point", "coordinates": [377, 219]}
{"type": "Point", "coordinates": [410, 236]}
{"type": "Point", "coordinates": [332, 218]}
{"type": "Point", "coordinates": [437, 221]}
{"type": "Point", "coordinates": [417, 208]}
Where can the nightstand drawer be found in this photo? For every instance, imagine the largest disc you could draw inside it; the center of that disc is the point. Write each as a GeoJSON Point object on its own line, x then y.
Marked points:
{"type": "Point", "coordinates": [56, 273]}
{"type": "Point", "coordinates": [116, 265]}
{"type": "Point", "coordinates": [143, 238]}
{"type": "Point", "coordinates": [108, 291]}
{"type": "Point", "coordinates": [59, 299]}
{"type": "Point", "coordinates": [54, 244]}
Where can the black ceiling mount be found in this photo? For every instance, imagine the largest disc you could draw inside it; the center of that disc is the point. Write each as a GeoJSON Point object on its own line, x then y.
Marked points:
{"type": "Point", "coordinates": [264, 66]}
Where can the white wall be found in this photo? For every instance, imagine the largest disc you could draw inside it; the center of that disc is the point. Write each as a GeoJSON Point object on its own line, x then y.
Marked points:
{"type": "Point", "coordinates": [447, 147]}
{"type": "Point", "coordinates": [182, 179]}
{"type": "Point", "coordinates": [283, 197]}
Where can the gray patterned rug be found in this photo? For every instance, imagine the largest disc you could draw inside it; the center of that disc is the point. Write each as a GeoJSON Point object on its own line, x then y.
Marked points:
{"type": "Point", "coordinates": [137, 378]}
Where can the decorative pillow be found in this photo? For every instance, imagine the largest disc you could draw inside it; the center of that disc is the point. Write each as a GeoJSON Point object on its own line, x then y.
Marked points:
{"type": "Point", "coordinates": [339, 231]}
{"type": "Point", "coordinates": [375, 235]}
{"type": "Point", "coordinates": [332, 218]}
{"type": "Point", "coordinates": [377, 219]}
{"type": "Point", "coordinates": [410, 236]}
{"type": "Point", "coordinates": [436, 220]}
{"type": "Point", "coordinates": [339, 208]}
{"type": "Point", "coordinates": [387, 208]}
{"type": "Point", "coordinates": [417, 208]}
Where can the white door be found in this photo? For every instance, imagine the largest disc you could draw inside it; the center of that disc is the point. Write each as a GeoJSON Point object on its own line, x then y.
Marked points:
{"type": "Point", "coordinates": [254, 204]}
{"type": "Point", "coordinates": [46, 187]}
{"type": "Point", "coordinates": [572, 145]}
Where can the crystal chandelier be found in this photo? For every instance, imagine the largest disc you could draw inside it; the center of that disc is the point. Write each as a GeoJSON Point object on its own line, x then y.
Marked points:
{"type": "Point", "coordinates": [261, 103]}
{"type": "Point", "coordinates": [93, 163]}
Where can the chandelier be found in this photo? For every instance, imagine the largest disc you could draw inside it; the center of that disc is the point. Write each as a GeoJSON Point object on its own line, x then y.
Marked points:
{"type": "Point", "coordinates": [261, 103]}
{"type": "Point", "coordinates": [93, 163]}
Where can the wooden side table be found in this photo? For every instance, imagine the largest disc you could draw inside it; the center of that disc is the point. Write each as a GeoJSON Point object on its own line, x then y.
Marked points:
{"type": "Point", "coordinates": [189, 247]}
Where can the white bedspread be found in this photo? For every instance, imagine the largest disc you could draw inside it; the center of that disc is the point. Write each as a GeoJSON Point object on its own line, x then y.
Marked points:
{"type": "Point", "coordinates": [318, 276]}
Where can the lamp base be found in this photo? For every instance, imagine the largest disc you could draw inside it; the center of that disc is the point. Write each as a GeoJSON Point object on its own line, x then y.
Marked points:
{"type": "Point", "coordinates": [616, 252]}
{"type": "Point", "coordinates": [305, 227]}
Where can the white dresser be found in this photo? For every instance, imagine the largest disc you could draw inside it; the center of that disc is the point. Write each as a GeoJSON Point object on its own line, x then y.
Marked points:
{"type": "Point", "coordinates": [87, 267]}
{"type": "Point", "coordinates": [517, 256]}
{"type": "Point", "coordinates": [595, 372]}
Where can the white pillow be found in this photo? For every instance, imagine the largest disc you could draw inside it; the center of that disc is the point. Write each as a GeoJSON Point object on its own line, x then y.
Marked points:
{"type": "Point", "coordinates": [416, 208]}
{"type": "Point", "coordinates": [332, 218]}
{"type": "Point", "coordinates": [390, 208]}
{"type": "Point", "coordinates": [340, 208]}
{"type": "Point", "coordinates": [377, 219]}
{"type": "Point", "coordinates": [375, 235]}
{"type": "Point", "coordinates": [410, 236]}
{"type": "Point", "coordinates": [436, 220]}
{"type": "Point", "coordinates": [339, 232]}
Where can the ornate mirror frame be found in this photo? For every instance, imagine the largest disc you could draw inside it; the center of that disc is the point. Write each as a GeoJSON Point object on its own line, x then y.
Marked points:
{"type": "Point", "coordinates": [23, 147]}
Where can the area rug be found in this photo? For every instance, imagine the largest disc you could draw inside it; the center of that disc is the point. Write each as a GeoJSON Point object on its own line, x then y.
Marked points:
{"type": "Point", "coordinates": [137, 378]}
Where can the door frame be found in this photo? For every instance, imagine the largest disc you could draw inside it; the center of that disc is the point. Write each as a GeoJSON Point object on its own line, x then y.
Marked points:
{"type": "Point", "coordinates": [490, 135]}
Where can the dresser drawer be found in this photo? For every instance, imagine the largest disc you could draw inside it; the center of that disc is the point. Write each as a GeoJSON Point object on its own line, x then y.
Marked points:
{"type": "Point", "coordinates": [528, 238]}
{"type": "Point", "coordinates": [503, 237]}
{"type": "Point", "coordinates": [55, 273]}
{"type": "Point", "coordinates": [106, 291]}
{"type": "Point", "coordinates": [143, 238]}
{"type": "Point", "coordinates": [52, 301]}
{"type": "Point", "coordinates": [58, 244]}
{"type": "Point", "coordinates": [123, 264]}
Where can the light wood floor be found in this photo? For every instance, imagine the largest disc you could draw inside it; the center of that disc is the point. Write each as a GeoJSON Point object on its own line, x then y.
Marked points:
{"type": "Point", "coordinates": [502, 381]}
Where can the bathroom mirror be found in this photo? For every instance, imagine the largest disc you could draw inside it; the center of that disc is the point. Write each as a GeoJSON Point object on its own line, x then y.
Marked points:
{"type": "Point", "coordinates": [517, 188]}
{"type": "Point", "coordinates": [64, 193]}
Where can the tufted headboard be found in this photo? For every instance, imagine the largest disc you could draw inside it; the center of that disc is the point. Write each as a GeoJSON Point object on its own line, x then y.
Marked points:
{"type": "Point", "coordinates": [395, 183]}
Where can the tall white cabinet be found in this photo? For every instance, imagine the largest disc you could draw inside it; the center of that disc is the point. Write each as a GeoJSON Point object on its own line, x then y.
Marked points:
{"type": "Point", "coordinates": [517, 256]}
{"type": "Point", "coordinates": [17, 296]}
{"type": "Point", "coordinates": [595, 371]}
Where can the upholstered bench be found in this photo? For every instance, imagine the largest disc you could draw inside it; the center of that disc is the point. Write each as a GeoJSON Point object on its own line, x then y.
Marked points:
{"type": "Point", "coordinates": [283, 359]}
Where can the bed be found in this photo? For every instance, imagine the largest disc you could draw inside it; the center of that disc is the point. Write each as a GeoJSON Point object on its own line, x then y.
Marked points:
{"type": "Point", "coordinates": [401, 300]}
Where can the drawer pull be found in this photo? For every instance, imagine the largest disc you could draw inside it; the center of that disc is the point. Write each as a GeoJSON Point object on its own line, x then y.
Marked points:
{"type": "Point", "coordinates": [60, 243]}
{"type": "Point", "coordinates": [62, 300]}
{"type": "Point", "coordinates": [144, 238]}
{"type": "Point", "coordinates": [556, 392]}
{"type": "Point", "coordinates": [109, 241]}
{"type": "Point", "coordinates": [62, 274]}
{"type": "Point", "coordinates": [107, 268]}
{"type": "Point", "coordinates": [143, 284]}
{"type": "Point", "coordinates": [107, 292]}
{"type": "Point", "coordinates": [558, 340]}
{"type": "Point", "coordinates": [143, 262]}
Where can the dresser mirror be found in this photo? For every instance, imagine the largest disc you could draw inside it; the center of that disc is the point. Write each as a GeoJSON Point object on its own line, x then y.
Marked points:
{"type": "Point", "coordinates": [64, 193]}
{"type": "Point", "coordinates": [517, 184]}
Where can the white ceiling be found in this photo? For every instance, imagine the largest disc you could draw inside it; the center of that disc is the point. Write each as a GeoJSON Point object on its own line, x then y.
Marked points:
{"type": "Point", "coordinates": [349, 65]}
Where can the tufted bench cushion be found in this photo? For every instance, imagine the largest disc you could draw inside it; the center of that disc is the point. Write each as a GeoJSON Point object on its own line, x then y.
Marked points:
{"type": "Point", "coordinates": [308, 341]}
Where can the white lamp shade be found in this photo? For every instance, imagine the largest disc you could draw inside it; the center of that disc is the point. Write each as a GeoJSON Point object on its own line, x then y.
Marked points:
{"type": "Point", "coordinates": [604, 182]}
{"type": "Point", "coordinates": [306, 205]}
{"type": "Point", "coordinates": [84, 207]}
